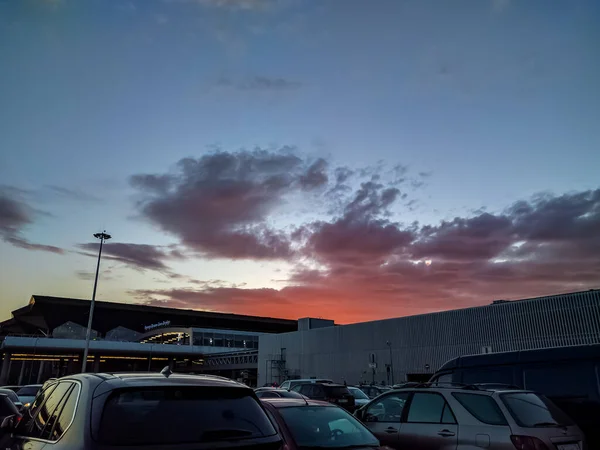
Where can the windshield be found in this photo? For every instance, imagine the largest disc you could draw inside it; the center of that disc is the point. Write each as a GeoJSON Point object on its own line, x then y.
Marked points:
{"type": "Point", "coordinates": [358, 394]}
{"type": "Point", "coordinates": [202, 415]}
{"type": "Point", "coordinates": [325, 426]}
{"type": "Point", "coordinates": [532, 410]}
{"type": "Point", "coordinates": [336, 391]}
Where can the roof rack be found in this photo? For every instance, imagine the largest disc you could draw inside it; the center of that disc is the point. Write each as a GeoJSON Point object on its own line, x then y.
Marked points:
{"type": "Point", "coordinates": [473, 386]}
{"type": "Point", "coordinates": [496, 385]}
{"type": "Point", "coordinates": [444, 384]}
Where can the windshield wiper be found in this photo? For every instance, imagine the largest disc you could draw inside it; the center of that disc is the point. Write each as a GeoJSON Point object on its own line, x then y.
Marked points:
{"type": "Point", "coordinates": [226, 434]}
{"type": "Point", "coordinates": [333, 447]}
{"type": "Point", "coordinates": [547, 424]}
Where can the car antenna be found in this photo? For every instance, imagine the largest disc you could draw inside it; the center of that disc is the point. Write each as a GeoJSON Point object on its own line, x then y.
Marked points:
{"type": "Point", "coordinates": [166, 372]}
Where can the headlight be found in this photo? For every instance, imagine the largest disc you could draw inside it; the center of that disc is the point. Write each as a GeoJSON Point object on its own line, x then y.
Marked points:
{"type": "Point", "coordinates": [27, 405]}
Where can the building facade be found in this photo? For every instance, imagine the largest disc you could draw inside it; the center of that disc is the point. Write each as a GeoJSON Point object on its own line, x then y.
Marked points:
{"type": "Point", "coordinates": [413, 348]}
{"type": "Point", "coordinates": [46, 339]}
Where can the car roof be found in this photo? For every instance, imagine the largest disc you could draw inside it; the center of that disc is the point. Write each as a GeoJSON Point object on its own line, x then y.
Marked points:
{"type": "Point", "coordinates": [472, 389]}
{"type": "Point", "coordinates": [272, 390]}
{"type": "Point", "coordinates": [294, 402]}
{"type": "Point", "coordinates": [148, 379]}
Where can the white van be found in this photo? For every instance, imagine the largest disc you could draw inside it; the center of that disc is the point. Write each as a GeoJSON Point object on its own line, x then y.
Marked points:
{"type": "Point", "coordinates": [289, 384]}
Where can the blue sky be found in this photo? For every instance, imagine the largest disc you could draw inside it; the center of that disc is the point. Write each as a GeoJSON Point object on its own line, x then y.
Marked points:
{"type": "Point", "coordinates": [494, 100]}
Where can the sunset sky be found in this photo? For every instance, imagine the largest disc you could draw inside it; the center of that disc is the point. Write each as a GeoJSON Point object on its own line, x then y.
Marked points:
{"type": "Point", "coordinates": [344, 159]}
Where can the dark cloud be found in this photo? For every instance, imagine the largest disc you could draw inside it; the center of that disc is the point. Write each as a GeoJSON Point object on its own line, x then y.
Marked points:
{"type": "Point", "coordinates": [259, 83]}
{"type": "Point", "coordinates": [25, 244]}
{"type": "Point", "coordinates": [157, 183]}
{"type": "Point", "coordinates": [361, 234]}
{"type": "Point", "coordinates": [15, 216]}
{"type": "Point", "coordinates": [315, 176]}
{"type": "Point", "coordinates": [137, 256]}
{"type": "Point", "coordinates": [220, 203]}
{"type": "Point", "coordinates": [478, 238]}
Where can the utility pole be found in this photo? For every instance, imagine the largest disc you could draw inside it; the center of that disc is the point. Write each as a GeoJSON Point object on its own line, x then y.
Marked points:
{"type": "Point", "coordinates": [389, 344]}
{"type": "Point", "coordinates": [103, 237]}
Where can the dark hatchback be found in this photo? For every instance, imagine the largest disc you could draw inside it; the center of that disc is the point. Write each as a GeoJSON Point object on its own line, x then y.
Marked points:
{"type": "Point", "coordinates": [277, 393]}
{"type": "Point", "coordinates": [144, 410]}
{"type": "Point", "coordinates": [337, 394]}
{"type": "Point", "coordinates": [312, 424]}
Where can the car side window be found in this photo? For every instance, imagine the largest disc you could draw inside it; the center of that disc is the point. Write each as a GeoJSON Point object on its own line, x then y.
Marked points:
{"type": "Point", "coordinates": [444, 378]}
{"type": "Point", "coordinates": [285, 385]}
{"type": "Point", "coordinates": [65, 413]}
{"type": "Point", "coordinates": [387, 408]}
{"type": "Point", "coordinates": [318, 391]}
{"type": "Point", "coordinates": [43, 395]}
{"type": "Point", "coordinates": [304, 389]}
{"type": "Point", "coordinates": [45, 418]}
{"type": "Point", "coordinates": [428, 407]}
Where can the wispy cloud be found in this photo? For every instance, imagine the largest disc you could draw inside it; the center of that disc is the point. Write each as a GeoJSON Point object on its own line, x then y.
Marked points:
{"type": "Point", "coordinates": [235, 5]}
{"type": "Point", "coordinates": [70, 194]}
{"type": "Point", "coordinates": [259, 83]}
{"type": "Point", "coordinates": [15, 216]}
{"type": "Point", "coordinates": [136, 256]}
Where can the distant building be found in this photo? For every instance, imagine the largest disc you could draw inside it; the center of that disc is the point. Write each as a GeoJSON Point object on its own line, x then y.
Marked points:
{"type": "Point", "coordinates": [420, 344]}
{"type": "Point", "coordinates": [46, 339]}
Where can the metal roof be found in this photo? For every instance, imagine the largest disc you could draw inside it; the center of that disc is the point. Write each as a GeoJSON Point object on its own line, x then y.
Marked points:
{"type": "Point", "coordinates": [44, 313]}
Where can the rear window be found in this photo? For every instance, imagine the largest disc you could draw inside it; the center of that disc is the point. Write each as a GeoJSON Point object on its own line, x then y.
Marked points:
{"type": "Point", "coordinates": [326, 427]}
{"type": "Point", "coordinates": [337, 391]}
{"type": "Point", "coordinates": [29, 391]}
{"type": "Point", "coordinates": [482, 407]}
{"type": "Point", "coordinates": [532, 410]}
{"type": "Point", "coordinates": [182, 415]}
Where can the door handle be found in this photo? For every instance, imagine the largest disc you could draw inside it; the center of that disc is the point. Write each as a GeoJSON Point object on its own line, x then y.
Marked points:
{"type": "Point", "coordinates": [391, 430]}
{"type": "Point", "coordinates": [446, 433]}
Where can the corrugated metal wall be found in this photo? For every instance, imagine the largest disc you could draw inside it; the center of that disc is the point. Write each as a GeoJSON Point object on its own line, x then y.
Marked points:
{"type": "Point", "coordinates": [429, 340]}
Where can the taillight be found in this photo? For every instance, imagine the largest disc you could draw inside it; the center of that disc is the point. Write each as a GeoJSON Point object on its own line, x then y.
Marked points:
{"type": "Point", "coordinates": [527, 443]}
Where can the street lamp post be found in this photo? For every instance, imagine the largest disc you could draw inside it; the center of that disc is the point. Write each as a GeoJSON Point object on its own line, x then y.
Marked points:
{"type": "Point", "coordinates": [103, 237]}
{"type": "Point", "coordinates": [389, 344]}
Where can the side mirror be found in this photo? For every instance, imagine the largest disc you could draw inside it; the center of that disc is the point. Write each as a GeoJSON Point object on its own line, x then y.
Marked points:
{"type": "Point", "coordinates": [359, 414]}
{"type": "Point", "coordinates": [9, 414]}
{"type": "Point", "coordinates": [370, 418]}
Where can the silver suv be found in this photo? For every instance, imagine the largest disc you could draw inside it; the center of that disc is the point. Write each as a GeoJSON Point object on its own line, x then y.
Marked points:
{"type": "Point", "coordinates": [444, 417]}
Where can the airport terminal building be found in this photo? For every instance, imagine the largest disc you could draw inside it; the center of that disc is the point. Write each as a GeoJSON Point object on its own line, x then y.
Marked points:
{"type": "Point", "coordinates": [46, 338]}
{"type": "Point", "coordinates": [413, 348]}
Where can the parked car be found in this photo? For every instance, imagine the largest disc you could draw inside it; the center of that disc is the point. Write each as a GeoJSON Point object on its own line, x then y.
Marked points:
{"type": "Point", "coordinates": [360, 398]}
{"type": "Point", "coordinates": [12, 387]}
{"type": "Point", "coordinates": [13, 397]}
{"type": "Point", "coordinates": [566, 375]}
{"type": "Point", "coordinates": [277, 393]}
{"type": "Point", "coordinates": [466, 417]}
{"type": "Point", "coordinates": [27, 393]}
{"type": "Point", "coordinates": [337, 394]}
{"type": "Point", "coordinates": [373, 391]}
{"type": "Point", "coordinates": [141, 410]}
{"type": "Point", "coordinates": [406, 385]}
{"type": "Point", "coordinates": [289, 384]}
{"type": "Point", "coordinates": [314, 424]}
